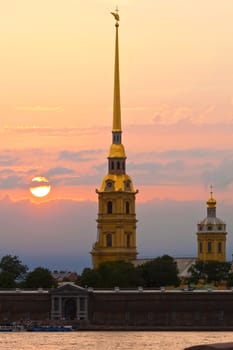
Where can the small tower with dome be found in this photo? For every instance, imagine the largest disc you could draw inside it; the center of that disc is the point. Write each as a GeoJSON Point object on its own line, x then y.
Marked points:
{"type": "Point", "coordinates": [211, 235]}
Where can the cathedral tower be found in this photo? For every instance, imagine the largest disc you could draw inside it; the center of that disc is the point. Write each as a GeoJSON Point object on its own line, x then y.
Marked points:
{"type": "Point", "coordinates": [211, 235]}
{"type": "Point", "coordinates": [116, 223]}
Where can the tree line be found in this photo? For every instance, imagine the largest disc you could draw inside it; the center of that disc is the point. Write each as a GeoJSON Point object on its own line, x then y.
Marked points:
{"type": "Point", "coordinates": [159, 272]}
{"type": "Point", "coordinates": [13, 274]}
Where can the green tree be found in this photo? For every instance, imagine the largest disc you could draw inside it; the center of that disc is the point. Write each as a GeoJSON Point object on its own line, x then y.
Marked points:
{"type": "Point", "coordinates": [11, 271]}
{"type": "Point", "coordinates": [118, 273]}
{"type": "Point", "coordinates": [111, 274]}
{"type": "Point", "coordinates": [90, 277]}
{"type": "Point", "coordinates": [197, 272]}
{"type": "Point", "coordinates": [230, 280]}
{"type": "Point", "coordinates": [159, 272]}
{"type": "Point", "coordinates": [40, 277]}
{"type": "Point", "coordinates": [210, 272]}
{"type": "Point", "coordinates": [7, 280]}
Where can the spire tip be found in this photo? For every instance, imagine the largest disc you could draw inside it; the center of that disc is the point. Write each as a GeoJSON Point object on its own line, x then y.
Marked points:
{"type": "Point", "coordinates": [116, 15]}
{"type": "Point", "coordinates": [211, 191]}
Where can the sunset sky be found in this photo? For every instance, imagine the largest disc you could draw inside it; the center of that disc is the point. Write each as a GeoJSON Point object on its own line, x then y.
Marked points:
{"type": "Point", "coordinates": [176, 67]}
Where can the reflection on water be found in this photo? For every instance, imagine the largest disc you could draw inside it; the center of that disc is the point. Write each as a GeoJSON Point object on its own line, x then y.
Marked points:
{"type": "Point", "coordinates": [109, 340]}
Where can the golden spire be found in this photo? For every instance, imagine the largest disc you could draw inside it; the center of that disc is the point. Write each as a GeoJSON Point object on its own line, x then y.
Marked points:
{"type": "Point", "coordinates": [116, 97]}
{"type": "Point", "coordinates": [211, 203]}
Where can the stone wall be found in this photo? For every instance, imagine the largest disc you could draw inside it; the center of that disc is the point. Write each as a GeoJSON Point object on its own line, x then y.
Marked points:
{"type": "Point", "coordinates": [162, 309]}
{"type": "Point", "coordinates": [23, 306]}
{"type": "Point", "coordinates": [131, 309]}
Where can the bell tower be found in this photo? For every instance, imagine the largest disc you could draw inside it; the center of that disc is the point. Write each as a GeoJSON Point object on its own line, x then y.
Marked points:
{"type": "Point", "coordinates": [211, 235]}
{"type": "Point", "coordinates": [116, 222]}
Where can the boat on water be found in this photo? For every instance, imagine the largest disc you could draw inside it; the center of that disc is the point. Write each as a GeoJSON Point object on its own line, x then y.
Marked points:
{"type": "Point", "coordinates": [36, 328]}
{"type": "Point", "coordinates": [43, 328]}
{"type": "Point", "coordinates": [6, 328]}
{"type": "Point", "coordinates": [12, 328]}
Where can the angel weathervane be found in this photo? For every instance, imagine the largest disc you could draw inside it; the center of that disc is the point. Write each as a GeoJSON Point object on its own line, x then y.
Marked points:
{"type": "Point", "coordinates": [116, 15]}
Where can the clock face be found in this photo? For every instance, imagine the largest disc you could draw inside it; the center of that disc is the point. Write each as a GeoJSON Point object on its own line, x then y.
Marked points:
{"type": "Point", "coordinates": [109, 183]}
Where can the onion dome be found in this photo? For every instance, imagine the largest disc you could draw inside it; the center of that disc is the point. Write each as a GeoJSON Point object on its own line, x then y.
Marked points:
{"type": "Point", "coordinates": [211, 203]}
{"type": "Point", "coordinates": [211, 222]}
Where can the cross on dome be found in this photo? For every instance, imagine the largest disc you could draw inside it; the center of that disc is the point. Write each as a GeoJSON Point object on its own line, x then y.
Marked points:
{"type": "Point", "coordinates": [211, 203]}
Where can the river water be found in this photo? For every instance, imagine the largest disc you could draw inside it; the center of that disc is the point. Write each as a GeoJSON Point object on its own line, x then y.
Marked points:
{"type": "Point", "coordinates": [109, 340]}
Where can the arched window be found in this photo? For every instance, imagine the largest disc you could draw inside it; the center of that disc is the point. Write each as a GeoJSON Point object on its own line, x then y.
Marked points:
{"type": "Point", "coordinates": [128, 240]}
{"type": "Point", "coordinates": [200, 247]}
{"type": "Point", "coordinates": [209, 247]}
{"type": "Point", "coordinates": [109, 207]}
{"type": "Point", "coordinates": [127, 185]}
{"type": "Point", "coordinates": [109, 240]}
{"type": "Point", "coordinates": [127, 207]}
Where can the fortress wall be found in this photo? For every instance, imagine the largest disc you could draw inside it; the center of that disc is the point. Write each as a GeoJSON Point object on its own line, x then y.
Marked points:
{"type": "Point", "coordinates": [131, 309]}
{"type": "Point", "coordinates": [19, 306]}
{"type": "Point", "coordinates": [162, 309]}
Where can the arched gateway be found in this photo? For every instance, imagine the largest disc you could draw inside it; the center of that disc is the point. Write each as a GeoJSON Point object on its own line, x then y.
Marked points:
{"type": "Point", "coordinates": [69, 302]}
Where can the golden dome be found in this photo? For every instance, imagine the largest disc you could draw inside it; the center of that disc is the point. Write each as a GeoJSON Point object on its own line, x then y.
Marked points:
{"type": "Point", "coordinates": [211, 203]}
{"type": "Point", "coordinates": [117, 151]}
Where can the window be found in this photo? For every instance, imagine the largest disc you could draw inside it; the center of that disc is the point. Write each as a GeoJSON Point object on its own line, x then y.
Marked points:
{"type": "Point", "coordinates": [127, 207]}
{"type": "Point", "coordinates": [109, 240]}
{"type": "Point", "coordinates": [200, 247]}
{"type": "Point", "coordinates": [127, 185]}
{"type": "Point", "coordinates": [209, 247]}
{"type": "Point", "coordinates": [219, 247]}
{"type": "Point", "coordinates": [211, 212]}
{"type": "Point", "coordinates": [109, 207]}
{"type": "Point", "coordinates": [219, 227]}
{"type": "Point", "coordinates": [117, 138]}
{"type": "Point", "coordinates": [128, 240]}
{"type": "Point", "coordinates": [209, 228]}
{"type": "Point", "coordinates": [112, 165]}
{"type": "Point", "coordinates": [118, 165]}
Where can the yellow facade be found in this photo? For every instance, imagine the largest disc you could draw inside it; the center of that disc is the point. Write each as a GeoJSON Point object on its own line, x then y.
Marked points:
{"type": "Point", "coordinates": [208, 247]}
{"type": "Point", "coordinates": [116, 223]}
{"type": "Point", "coordinates": [116, 227]}
{"type": "Point", "coordinates": [211, 235]}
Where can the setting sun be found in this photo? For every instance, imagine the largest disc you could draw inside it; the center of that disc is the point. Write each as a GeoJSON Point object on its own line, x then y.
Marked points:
{"type": "Point", "coordinates": [40, 186]}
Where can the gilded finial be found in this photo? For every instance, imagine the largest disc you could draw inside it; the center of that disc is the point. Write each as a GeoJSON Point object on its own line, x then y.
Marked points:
{"type": "Point", "coordinates": [211, 203]}
{"type": "Point", "coordinates": [116, 15]}
{"type": "Point", "coordinates": [211, 191]}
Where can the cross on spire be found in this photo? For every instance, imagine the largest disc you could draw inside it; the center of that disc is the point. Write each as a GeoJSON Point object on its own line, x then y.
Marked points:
{"type": "Point", "coordinates": [211, 190]}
